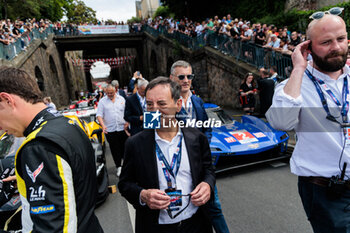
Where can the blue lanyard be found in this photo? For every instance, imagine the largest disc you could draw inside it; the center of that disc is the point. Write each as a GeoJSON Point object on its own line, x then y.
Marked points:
{"type": "Point", "coordinates": [190, 112]}
{"type": "Point", "coordinates": [168, 170]}
{"type": "Point", "coordinates": [344, 108]}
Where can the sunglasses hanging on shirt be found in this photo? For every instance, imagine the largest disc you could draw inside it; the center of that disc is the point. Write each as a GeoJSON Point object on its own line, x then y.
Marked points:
{"type": "Point", "coordinates": [169, 211]}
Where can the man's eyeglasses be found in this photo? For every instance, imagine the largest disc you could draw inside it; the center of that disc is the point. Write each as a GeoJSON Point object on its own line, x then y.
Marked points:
{"type": "Point", "coordinates": [332, 11]}
{"type": "Point", "coordinates": [189, 76]}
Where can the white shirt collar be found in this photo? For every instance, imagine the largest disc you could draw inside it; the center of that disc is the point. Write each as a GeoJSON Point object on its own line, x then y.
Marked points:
{"type": "Point", "coordinates": [157, 138]}
{"type": "Point", "coordinates": [320, 75]}
{"type": "Point", "coordinates": [188, 100]}
{"type": "Point", "coordinates": [140, 97]}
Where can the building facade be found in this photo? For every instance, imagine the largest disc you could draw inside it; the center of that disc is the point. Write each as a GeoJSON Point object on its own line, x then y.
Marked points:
{"type": "Point", "coordinates": [149, 7]}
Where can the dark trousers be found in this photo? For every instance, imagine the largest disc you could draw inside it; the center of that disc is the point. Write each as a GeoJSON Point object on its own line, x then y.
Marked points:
{"type": "Point", "coordinates": [116, 142]}
{"type": "Point", "coordinates": [216, 215]}
{"type": "Point", "coordinates": [196, 224]}
{"type": "Point", "coordinates": [325, 214]}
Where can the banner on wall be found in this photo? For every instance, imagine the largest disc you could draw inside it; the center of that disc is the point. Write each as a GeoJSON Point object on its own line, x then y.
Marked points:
{"type": "Point", "coordinates": [103, 29]}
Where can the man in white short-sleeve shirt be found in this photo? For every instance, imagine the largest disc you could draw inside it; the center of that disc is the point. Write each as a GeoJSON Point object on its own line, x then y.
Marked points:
{"type": "Point", "coordinates": [110, 114]}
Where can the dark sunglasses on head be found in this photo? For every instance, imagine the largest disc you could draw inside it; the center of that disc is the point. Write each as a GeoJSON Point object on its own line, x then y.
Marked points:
{"type": "Point", "coordinates": [332, 11]}
{"type": "Point", "coordinates": [189, 76]}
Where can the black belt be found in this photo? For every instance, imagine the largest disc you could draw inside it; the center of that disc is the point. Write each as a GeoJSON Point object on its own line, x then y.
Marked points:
{"type": "Point", "coordinates": [320, 181]}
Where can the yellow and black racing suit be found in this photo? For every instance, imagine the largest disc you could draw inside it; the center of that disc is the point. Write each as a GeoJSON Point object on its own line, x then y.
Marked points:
{"type": "Point", "coordinates": [56, 177]}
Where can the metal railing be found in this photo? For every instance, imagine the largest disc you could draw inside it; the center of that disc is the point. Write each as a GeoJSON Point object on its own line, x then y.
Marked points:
{"type": "Point", "coordinates": [10, 51]}
{"type": "Point", "coordinates": [67, 31]}
{"type": "Point", "coordinates": [248, 52]}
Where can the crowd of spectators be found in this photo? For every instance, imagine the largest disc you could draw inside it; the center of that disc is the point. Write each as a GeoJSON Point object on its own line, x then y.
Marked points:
{"type": "Point", "coordinates": [14, 30]}
{"type": "Point", "coordinates": [267, 36]}
{"type": "Point", "coordinates": [11, 31]}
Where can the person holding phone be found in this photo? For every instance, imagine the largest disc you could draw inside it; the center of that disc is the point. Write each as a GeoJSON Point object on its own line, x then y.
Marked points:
{"type": "Point", "coordinates": [314, 102]}
{"type": "Point", "coordinates": [133, 81]}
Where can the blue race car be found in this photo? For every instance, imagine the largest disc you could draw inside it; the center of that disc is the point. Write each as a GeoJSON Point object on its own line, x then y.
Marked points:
{"type": "Point", "coordinates": [237, 144]}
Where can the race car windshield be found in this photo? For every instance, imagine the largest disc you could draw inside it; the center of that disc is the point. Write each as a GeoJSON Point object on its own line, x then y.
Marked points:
{"type": "Point", "coordinates": [9, 145]}
{"type": "Point", "coordinates": [219, 115]}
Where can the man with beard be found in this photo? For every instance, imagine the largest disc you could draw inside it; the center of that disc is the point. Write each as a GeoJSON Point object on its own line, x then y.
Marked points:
{"type": "Point", "coordinates": [314, 102]}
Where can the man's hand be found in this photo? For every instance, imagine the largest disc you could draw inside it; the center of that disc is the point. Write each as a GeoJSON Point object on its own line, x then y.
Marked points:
{"type": "Point", "coordinates": [7, 185]}
{"type": "Point", "coordinates": [126, 129]}
{"type": "Point", "coordinates": [201, 194]}
{"type": "Point", "coordinates": [141, 118]}
{"type": "Point", "coordinates": [104, 128]}
{"type": "Point", "coordinates": [293, 86]}
{"type": "Point", "coordinates": [126, 125]}
{"type": "Point", "coordinates": [155, 198]}
{"type": "Point", "coordinates": [8, 175]}
{"type": "Point", "coordinates": [137, 76]}
{"type": "Point", "coordinates": [299, 55]}
{"type": "Point", "coordinates": [9, 179]}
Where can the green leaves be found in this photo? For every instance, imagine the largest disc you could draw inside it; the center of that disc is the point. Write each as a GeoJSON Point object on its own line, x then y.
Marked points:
{"type": "Point", "coordinates": [75, 10]}
{"type": "Point", "coordinates": [78, 12]}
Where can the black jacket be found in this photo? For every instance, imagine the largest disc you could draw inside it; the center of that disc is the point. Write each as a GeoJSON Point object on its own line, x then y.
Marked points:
{"type": "Point", "coordinates": [56, 176]}
{"type": "Point", "coordinates": [140, 171]}
{"type": "Point", "coordinates": [132, 113]}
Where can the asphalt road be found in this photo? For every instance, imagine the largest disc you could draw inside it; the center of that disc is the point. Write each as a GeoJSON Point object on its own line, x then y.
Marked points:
{"type": "Point", "coordinates": [259, 199]}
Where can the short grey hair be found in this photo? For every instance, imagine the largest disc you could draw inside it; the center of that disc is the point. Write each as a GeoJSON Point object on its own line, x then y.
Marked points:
{"type": "Point", "coordinates": [142, 82]}
{"type": "Point", "coordinates": [115, 83]}
{"type": "Point", "coordinates": [110, 86]}
{"type": "Point", "coordinates": [175, 88]}
{"type": "Point", "coordinates": [179, 63]}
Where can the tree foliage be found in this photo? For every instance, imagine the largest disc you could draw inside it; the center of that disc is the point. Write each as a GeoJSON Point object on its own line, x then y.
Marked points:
{"type": "Point", "coordinates": [134, 20]}
{"type": "Point", "coordinates": [264, 11]}
{"type": "Point", "coordinates": [163, 11]}
{"type": "Point", "coordinates": [75, 10]}
{"type": "Point", "coordinates": [202, 9]}
{"type": "Point", "coordinates": [78, 12]}
{"type": "Point", "coordinates": [24, 9]}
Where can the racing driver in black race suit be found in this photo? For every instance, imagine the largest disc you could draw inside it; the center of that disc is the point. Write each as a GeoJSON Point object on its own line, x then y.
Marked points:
{"type": "Point", "coordinates": [55, 167]}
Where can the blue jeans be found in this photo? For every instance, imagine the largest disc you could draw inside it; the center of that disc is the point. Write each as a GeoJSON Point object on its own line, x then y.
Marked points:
{"type": "Point", "coordinates": [325, 214]}
{"type": "Point", "coordinates": [217, 218]}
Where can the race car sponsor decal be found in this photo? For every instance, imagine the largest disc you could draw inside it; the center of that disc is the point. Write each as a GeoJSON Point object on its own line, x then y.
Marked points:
{"type": "Point", "coordinates": [37, 194]}
{"type": "Point", "coordinates": [42, 209]}
{"type": "Point", "coordinates": [14, 202]}
{"type": "Point", "coordinates": [38, 122]}
{"type": "Point", "coordinates": [253, 146]}
{"type": "Point", "coordinates": [259, 135]}
{"type": "Point", "coordinates": [243, 136]}
{"type": "Point", "coordinates": [33, 175]}
{"type": "Point", "coordinates": [230, 139]}
{"type": "Point", "coordinates": [71, 122]}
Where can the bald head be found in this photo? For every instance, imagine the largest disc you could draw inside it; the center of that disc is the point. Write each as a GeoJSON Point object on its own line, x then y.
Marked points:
{"type": "Point", "coordinates": [329, 46]}
{"type": "Point", "coordinates": [324, 24]}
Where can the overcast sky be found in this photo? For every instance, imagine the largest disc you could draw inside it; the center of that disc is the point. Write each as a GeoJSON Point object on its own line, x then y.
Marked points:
{"type": "Point", "coordinates": [117, 10]}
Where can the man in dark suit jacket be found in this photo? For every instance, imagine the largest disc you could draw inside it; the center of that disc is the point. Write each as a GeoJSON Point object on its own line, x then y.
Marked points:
{"type": "Point", "coordinates": [143, 182]}
{"type": "Point", "coordinates": [193, 108]}
{"type": "Point", "coordinates": [266, 89]}
{"type": "Point", "coordinates": [135, 105]}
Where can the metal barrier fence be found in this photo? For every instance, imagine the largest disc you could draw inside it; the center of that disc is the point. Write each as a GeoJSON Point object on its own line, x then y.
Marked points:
{"type": "Point", "coordinates": [12, 50]}
{"type": "Point", "coordinates": [66, 31]}
{"type": "Point", "coordinates": [248, 52]}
